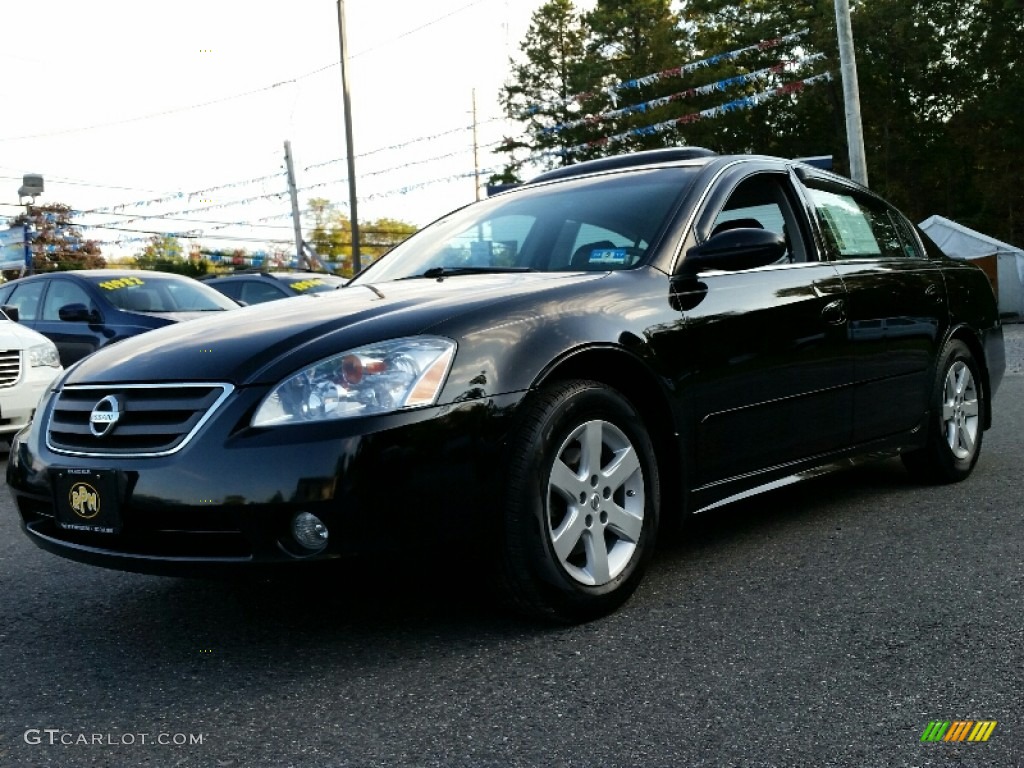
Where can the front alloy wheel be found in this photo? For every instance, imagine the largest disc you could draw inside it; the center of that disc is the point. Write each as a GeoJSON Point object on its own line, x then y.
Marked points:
{"type": "Point", "coordinates": [581, 511]}
{"type": "Point", "coordinates": [595, 511]}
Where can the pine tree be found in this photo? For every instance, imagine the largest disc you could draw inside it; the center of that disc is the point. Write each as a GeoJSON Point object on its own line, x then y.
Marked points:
{"type": "Point", "coordinates": [630, 41]}
{"type": "Point", "coordinates": [543, 89]}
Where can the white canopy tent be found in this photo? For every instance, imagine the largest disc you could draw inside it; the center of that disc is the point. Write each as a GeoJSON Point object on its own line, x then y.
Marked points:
{"type": "Point", "coordinates": [961, 242]}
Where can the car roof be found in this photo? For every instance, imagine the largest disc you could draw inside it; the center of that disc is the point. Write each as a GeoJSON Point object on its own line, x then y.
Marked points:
{"type": "Point", "coordinates": [114, 273]}
{"type": "Point", "coordinates": [274, 275]}
{"type": "Point", "coordinates": [805, 168]}
{"type": "Point", "coordinates": [631, 160]}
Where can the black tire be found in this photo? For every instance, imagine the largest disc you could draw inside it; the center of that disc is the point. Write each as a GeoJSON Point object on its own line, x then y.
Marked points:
{"type": "Point", "coordinates": [577, 531]}
{"type": "Point", "coordinates": [956, 425]}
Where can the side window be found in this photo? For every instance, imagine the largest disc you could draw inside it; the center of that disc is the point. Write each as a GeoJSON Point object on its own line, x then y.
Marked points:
{"type": "Point", "coordinates": [62, 293]}
{"type": "Point", "coordinates": [26, 298]}
{"type": "Point", "coordinates": [761, 202]}
{"type": "Point", "coordinates": [856, 226]}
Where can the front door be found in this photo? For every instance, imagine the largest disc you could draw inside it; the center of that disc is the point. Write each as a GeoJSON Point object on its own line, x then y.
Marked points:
{"type": "Point", "coordinates": [766, 349]}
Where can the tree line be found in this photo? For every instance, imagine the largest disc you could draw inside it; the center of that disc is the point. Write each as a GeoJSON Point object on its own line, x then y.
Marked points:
{"type": "Point", "coordinates": [941, 92]}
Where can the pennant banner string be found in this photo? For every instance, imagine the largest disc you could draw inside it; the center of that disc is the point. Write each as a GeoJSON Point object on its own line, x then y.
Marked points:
{"type": "Point", "coordinates": [703, 90]}
{"type": "Point", "coordinates": [182, 195]}
{"type": "Point", "coordinates": [748, 102]}
{"type": "Point", "coordinates": [612, 91]}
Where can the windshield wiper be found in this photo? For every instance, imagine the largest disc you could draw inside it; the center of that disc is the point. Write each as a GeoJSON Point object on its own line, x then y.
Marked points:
{"type": "Point", "coordinates": [440, 272]}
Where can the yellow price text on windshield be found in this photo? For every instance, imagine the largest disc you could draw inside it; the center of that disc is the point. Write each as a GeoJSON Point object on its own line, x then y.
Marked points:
{"type": "Point", "coordinates": [305, 285]}
{"type": "Point", "coordinates": [121, 282]}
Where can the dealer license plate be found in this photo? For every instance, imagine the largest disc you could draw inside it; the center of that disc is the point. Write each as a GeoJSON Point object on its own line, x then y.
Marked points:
{"type": "Point", "coordinates": [87, 500]}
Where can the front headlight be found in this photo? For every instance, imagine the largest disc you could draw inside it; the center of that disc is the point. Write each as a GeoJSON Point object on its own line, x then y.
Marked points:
{"type": "Point", "coordinates": [377, 378]}
{"type": "Point", "coordinates": [43, 355]}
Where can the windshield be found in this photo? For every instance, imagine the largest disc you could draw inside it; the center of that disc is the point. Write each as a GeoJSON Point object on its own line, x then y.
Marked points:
{"type": "Point", "coordinates": [598, 223]}
{"type": "Point", "coordinates": [147, 292]}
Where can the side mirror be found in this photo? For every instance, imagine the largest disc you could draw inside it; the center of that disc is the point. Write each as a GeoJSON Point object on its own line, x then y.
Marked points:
{"type": "Point", "coordinates": [11, 311]}
{"type": "Point", "coordinates": [76, 313]}
{"type": "Point", "coordinates": [735, 249]}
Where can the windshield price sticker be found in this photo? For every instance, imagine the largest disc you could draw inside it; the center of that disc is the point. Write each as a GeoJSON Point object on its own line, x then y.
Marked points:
{"type": "Point", "coordinates": [121, 282]}
{"type": "Point", "coordinates": [305, 285]}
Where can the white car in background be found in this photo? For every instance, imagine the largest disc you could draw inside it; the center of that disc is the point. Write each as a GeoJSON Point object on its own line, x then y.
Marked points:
{"type": "Point", "coordinates": [28, 365]}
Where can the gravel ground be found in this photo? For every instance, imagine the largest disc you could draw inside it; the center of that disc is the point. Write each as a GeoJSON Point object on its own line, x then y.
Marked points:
{"type": "Point", "coordinates": [1013, 336]}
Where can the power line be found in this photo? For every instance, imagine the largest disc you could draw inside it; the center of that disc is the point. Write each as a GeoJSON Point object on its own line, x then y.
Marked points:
{"type": "Point", "coordinates": [162, 217]}
{"type": "Point", "coordinates": [418, 29]}
{"type": "Point", "coordinates": [404, 144]}
{"type": "Point", "coordinates": [225, 99]}
{"type": "Point", "coordinates": [139, 118]}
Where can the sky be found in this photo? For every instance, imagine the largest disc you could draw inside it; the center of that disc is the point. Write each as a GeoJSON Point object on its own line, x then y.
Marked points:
{"type": "Point", "coordinates": [135, 112]}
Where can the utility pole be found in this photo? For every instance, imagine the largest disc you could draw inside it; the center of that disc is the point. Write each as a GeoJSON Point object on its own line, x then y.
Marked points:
{"type": "Point", "coordinates": [476, 155]}
{"type": "Point", "coordinates": [851, 94]}
{"type": "Point", "coordinates": [294, 193]}
{"type": "Point", "coordinates": [353, 212]}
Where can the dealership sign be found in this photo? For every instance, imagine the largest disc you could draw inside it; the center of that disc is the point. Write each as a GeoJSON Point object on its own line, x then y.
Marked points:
{"type": "Point", "coordinates": [13, 251]}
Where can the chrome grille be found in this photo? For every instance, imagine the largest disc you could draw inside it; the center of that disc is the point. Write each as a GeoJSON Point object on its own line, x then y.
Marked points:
{"type": "Point", "coordinates": [153, 420]}
{"type": "Point", "coordinates": [10, 367]}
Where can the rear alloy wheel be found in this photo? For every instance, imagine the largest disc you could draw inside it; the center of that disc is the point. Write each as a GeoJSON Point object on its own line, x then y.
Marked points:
{"type": "Point", "coordinates": [582, 505]}
{"type": "Point", "coordinates": [957, 424]}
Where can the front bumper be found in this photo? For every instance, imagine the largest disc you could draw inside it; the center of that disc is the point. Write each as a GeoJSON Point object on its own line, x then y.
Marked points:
{"type": "Point", "coordinates": [18, 402]}
{"type": "Point", "coordinates": [226, 500]}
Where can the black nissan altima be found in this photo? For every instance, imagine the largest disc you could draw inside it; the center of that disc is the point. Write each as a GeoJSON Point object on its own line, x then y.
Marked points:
{"type": "Point", "coordinates": [554, 373]}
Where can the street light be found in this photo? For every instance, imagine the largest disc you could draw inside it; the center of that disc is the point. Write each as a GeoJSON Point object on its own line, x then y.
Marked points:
{"type": "Point", "coordinates": [31, 187]}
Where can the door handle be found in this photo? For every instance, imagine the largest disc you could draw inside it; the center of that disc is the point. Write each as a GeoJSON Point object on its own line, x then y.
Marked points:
{"type": "Point", "coordinates": [933, 293]}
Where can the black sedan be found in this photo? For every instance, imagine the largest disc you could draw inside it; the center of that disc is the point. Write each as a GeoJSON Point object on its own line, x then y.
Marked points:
{"type": "Point", "coordinates": [256, 287]}
{"type": "Point", "coordinates": [84, 310]}
{"type": "Point", "coordinates": [551, 376]}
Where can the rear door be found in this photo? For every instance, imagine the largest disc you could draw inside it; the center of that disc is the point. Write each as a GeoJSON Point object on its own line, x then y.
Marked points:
{"type": "Point", "coordinates": [897, 304]}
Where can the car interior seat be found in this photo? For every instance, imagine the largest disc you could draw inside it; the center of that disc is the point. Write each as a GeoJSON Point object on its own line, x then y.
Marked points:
{"type": "Point", "coordinates": [140, 300]}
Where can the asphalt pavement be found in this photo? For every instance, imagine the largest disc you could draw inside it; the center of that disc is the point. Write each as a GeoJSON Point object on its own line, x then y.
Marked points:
{"type": "Point", "coordinates": [828, 624]}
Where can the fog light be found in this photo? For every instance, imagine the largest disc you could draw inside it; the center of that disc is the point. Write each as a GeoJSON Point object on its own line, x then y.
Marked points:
{"type": "Point", "coordinates": [309, 531]}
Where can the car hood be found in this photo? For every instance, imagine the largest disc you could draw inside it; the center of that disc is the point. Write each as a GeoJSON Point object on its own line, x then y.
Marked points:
{"type": "Point", "coordinates": [15, 336]}
{"type": "Point", "coordinates": [172, 317]}
{"type": "Point", "coordinates": [264, 342]}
